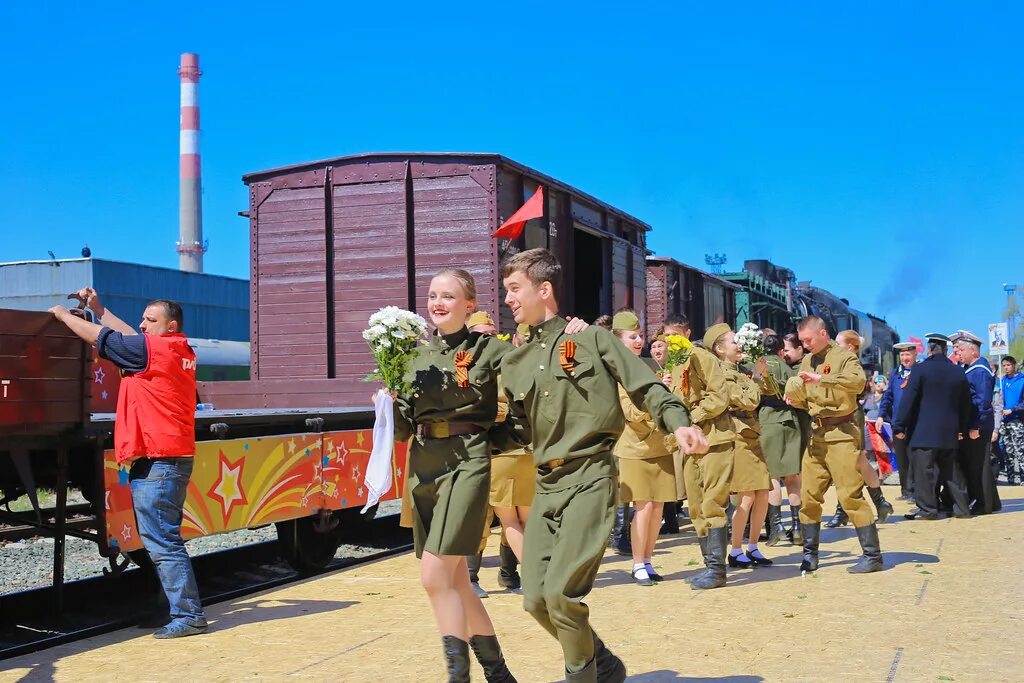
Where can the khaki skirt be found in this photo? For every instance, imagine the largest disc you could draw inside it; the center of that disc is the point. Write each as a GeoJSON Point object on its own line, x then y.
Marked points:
{"type": "Point", "coordinates": [513, 480]}
{"type": "Point", "coordinates": [749, 469]}
{"type": "Point", "coordinates": [448, 485]}
{"type": "Point", "coordinates": [780, 444]}
{"type": "Point", "coordinates": [652, 479]}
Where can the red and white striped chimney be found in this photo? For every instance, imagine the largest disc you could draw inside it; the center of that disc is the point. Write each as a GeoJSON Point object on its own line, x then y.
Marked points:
{"type": "Point", "coordinates": [191, 246]}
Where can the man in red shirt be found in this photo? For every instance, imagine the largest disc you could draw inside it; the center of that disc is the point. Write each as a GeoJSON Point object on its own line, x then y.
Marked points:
{"type": "Point", "coordinates": [154, 430]}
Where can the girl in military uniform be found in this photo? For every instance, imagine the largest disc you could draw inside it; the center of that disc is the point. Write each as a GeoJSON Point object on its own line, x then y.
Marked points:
{"type": "Point", "coordinates": [646, 477]}
{"type": "Point", "coordinates": [851, 341]}
{"type": "Point", "coordinates": [781, 441]}
{"type": "Point", "coordinates": [449, 412]}
{"type": "Point", "coordinates": [750, 470]}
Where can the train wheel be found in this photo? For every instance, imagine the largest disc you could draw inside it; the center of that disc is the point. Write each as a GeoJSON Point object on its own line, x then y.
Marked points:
{"type": "Point", "coordinates": [304, 547]}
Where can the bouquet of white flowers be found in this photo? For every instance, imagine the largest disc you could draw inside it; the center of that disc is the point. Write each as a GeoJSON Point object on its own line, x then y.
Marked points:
{"type": "Point", "coordinates": [750, 339]}
{"type": "Point", "coordinates": [392, 336]}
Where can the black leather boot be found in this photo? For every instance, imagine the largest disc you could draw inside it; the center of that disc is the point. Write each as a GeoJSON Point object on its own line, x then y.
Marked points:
{"type": "Point", "coordinates": [776, 532]}
{"type": "Point", "coordinates": [508, 576]}
{"type": "Point", "coordinates": [586, 675]}
{"type": "Point", "coordinates": [882, 506]}
{"type": "Point", "coordinates": [872, 558]}
{"type": "Point", "coordinates": [703, 542]}
{"type": "Point", "coordinates": [670, 515]}
{"type": "Point", "coordinates": [456, 653]}
{"type": "Point", "coordinates": [795, 535]}
{"type": "Point", "coordinates": [811, 534]}
{"type": "Point", "coordinates": [610, 668]}
{"type": "Point", "coordinates": [714, 577]}
{"type": "Point", "coordinates": [473, 564]}
{"type": "Point", "coordinates": [838, 519]}
{"type": "Point", "coordinates": [620, 541]}
{"type": "Point", "coordinates": [488, 653]}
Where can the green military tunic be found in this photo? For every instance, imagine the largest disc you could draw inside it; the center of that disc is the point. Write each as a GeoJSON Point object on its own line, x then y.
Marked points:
{"type": "Point", "coordinates": [449, 476]}
{"type": "Point", "coordinates": [571, 401]}
{"type": "Point", "coordinates": [699, 383]}
{"type": "Point", "coordinates": [834, 449]}
{"type": "Point", "coordinates": [780, 425]}
{"type": "Point", "coordinates": [750, 471]}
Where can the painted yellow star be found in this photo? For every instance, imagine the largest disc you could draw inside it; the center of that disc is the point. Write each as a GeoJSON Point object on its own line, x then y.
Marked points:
{"type": "Point", "coordinates": [359, 438]}
{"type": "Point", "coordinates": [291, 446]}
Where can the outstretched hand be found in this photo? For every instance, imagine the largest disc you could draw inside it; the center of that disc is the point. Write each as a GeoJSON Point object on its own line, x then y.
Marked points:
{"type": "Point", "coordinates": [809, 377]}
{"type": "Point", "coordinates": [87, 297]}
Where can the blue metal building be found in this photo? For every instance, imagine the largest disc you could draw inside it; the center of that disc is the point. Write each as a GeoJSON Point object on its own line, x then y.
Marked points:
{"type": "Point", "coordinates": [216, 307]}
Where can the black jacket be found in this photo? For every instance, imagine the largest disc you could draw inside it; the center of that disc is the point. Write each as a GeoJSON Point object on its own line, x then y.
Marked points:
{"type": "Point", "coordinates": [936, 405]}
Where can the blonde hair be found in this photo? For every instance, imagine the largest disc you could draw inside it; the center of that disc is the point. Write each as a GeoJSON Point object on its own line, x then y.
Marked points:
{"type": "Point", "coordinates": [850, 337]}
{"type": "Point", "coordinates": [464, 279]}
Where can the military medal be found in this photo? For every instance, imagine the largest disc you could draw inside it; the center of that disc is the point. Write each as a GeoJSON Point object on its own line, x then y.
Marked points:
{"type": "Point", "coordinates": [463, 359]}
{"type": "Point", "coordinates": [684, 383]}
{"type": "Point", "coordinates": [826, 368]}
{"type": "Point", "coordinates": [567, 355]}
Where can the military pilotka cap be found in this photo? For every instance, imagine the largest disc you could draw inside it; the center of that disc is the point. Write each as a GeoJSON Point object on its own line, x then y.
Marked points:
{"type": "Point", "coordinates": [713, 333]}
{"type": "Point", "coordinates": [904, 346]}
{"type": "Point", "coordinates": [479, 318]}
{"type": "Point", "coordinates": [968, 336]}
{"type": "Point", "coordinates": [625, 320]}
{"type": "Point", "coordinates": [937, 337]}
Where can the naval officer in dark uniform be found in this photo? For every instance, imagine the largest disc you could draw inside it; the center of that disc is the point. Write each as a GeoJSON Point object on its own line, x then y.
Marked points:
{"type": "Point", "coordinates": [933, 417]}
{"type": "Point", "coordinates": [889, 407]}
{"type": "Point", "coordinates": [976, 448]}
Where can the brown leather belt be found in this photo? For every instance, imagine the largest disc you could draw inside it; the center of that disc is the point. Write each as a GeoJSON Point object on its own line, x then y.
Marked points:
{"type": "Point", "coordinates": [822, 422]}
{"type": "Point", "coordinates": [550, 465]}
{"type": "Point", "coordinates": [442, 430]}
{"type": "Point", "coordinates": [773, 402]}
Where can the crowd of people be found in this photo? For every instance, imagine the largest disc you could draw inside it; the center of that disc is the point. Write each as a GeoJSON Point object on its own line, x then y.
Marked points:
{"type": "Point", "coordinates": [572, 436]}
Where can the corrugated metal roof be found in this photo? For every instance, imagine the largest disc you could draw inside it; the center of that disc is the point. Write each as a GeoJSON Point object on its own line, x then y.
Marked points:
{"type": "Point", "coordinates": [216, 307]}
{"type": "Point", "coordinates": [710, 276]}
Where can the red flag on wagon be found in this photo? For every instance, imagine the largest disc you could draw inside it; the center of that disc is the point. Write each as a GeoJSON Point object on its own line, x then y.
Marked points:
{"type": "Point", "coordinates": [917, 342]}
{"type": "Point", "coordinates": [513, 227]}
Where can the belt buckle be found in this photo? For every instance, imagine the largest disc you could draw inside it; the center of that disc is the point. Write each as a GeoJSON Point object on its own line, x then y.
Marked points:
{"type": "Point", "coordinates": [440, 430]}
{"type": "Point", "coordinates": [817, 423]}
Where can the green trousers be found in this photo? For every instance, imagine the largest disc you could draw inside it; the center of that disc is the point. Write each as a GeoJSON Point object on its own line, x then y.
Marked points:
{"type": "Point", "coordinates": [565, 539]}
{"type": "Point", "coordinates": [708, 478]}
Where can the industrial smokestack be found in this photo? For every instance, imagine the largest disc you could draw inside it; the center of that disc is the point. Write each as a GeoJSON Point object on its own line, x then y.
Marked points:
{"type": "Point", "coordinates": [191, 246]}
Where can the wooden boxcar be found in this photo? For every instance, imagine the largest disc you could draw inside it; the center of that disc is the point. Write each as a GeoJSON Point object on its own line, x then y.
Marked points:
{"type": "Point", "coordinates": [674, 288]}
{"type": "Point", "coordinates": [333, 241]}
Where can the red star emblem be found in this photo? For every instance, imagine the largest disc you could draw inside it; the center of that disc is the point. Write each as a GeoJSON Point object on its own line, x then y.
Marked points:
{"type": "Point", "coordinates": [228, 487]}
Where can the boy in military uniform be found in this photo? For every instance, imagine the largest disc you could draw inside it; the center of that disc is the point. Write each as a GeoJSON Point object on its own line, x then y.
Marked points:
{"type": "Point", "coordinates": [568, 390]}
{"type": "Point", "coordinates": [827, 386]}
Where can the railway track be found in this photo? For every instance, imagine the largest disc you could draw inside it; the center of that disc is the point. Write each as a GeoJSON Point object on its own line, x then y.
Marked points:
{"type": "Point", "coordinates": [104, 604]}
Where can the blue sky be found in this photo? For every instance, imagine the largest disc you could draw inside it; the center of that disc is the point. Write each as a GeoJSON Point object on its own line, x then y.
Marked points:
{"type": "Point", "coordinates": [876, 150]}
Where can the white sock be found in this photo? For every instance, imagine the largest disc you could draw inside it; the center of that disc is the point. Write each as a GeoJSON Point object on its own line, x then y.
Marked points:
{"type": "Point", "coordinates": [640, 571]}
{"type": "Point", "coordinates": [751, 547]}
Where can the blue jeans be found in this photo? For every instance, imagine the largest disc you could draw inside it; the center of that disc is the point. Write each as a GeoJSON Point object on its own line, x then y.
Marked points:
{"type": "Point", "coordinates": [158, 492]}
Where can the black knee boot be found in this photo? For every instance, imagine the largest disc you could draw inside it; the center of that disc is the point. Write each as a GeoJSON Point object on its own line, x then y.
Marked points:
{"type": "Point", "coordinates": [838, 519]}
{"type": "Point", "coordinates": [473, 564]}
{"type": "Point", "coordinates": [670, 515]}
{"type": "Point", "coordinates": [488, 653]}
{"type": "Point", "coordinates": [609, 667]}
{"type": "Point", "coordinates": [776, 532]}
{"type": "Point", "coordinates": [795, 535]}
{"type": "Point", "coordinates": [811, 534]}
{"type": "Point", "coordinates": [882, 506]}
{"type": "Point", "coordinates": [620, 541]}
{"type": "Point", "coordinates": [507, 574]}
{"type": "Point", "coordinates": [872, 558]}
{"type": "Point", "coordinates": [703, 542]}
{"type": "Point", "coordinates": [714, 577]}
{"type": "Point", "coordinates": [456, 653]}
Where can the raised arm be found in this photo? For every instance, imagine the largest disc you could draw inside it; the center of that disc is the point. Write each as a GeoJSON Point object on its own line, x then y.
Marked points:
{"type": "Point", "coordinates": [87, 296]}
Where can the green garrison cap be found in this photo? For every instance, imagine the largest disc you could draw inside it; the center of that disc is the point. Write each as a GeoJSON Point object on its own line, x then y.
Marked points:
{"type": "Point", "coordinates": [625, 320]}
{"type": "Point", "coordinates": [713, 333]}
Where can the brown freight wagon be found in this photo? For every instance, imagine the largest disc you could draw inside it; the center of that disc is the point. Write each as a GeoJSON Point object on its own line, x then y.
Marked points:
{"type": "Point", "coordinates": [674, 288]}
{"type": "Point", "coordinates": [333, 241]}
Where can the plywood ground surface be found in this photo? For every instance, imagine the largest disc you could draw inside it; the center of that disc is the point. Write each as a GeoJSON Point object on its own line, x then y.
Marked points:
{"type": "Point", "coordinates": [947, 608]}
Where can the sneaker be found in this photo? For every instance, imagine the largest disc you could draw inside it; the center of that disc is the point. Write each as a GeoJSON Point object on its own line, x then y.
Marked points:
{"type": "Point", "coordinates": [180, 629]}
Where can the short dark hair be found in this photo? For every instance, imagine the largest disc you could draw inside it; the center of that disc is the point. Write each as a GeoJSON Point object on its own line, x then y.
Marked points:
{"type": "Point", "coordinates": [1009, 359]}
{"type": "Point", "coordinates": [539, 265]}
{"type": "Point", "coordinates": [793, 340]}
{"type": "Point", "coordinates": [677, 320]}
{"type": "Point", "coordinates": [936, 347]}
{"type": "Point", "coordinates": [172, 309]}
{"type": "Point", "coordinates": [604, 321]}
{"type": "Point", "coordinates": [772, 343]}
